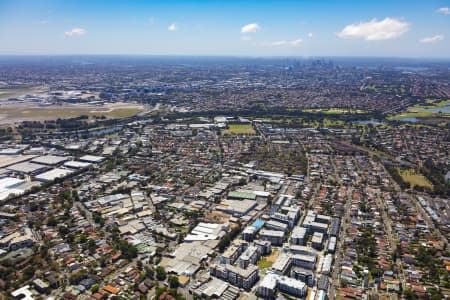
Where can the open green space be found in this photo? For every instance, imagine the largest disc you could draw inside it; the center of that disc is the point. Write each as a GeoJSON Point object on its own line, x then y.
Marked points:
{"type": "Point", "coordinates": [436, 103]}
{"type": "Point", "coordinates": [121, 113]}
{"type": "Point", "coordinates": [267, 262]}
{"type": "Point", "coordinates": [431, 108]}
{"type": "Point", "coordinates": [412, 114]}
{"type": "Point", "coordinates": [386, 89]}
{"type": "Point", "coordinates": [263, 263]}
{"type": "Point", "coordinates": [15, 92]}
{"type": "Point", "coordinates": [334, 111]}
{"type": "Point", "coordinates": [239, 129]}
{"type": "Point", "coordinates": [22, 112]}
{"type": "Point", "coordinates": [333, 123]}
{"type": "Point", "coordinates": [415, 179]}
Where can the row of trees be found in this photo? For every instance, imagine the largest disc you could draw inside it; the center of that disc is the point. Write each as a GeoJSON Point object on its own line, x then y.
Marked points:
{"type": "Point", "coordinates": [435, 174]}
{"type": "Point", "coordinates": [226, 240]}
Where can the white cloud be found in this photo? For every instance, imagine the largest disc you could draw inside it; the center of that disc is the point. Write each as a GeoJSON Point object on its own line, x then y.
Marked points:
{"type": "Point", "coordinates": [246, 38]}
{"type": "Point", "coordinates": [75, 32]}
{"type": "Point", "coordinates": [172, 27]}
{"type": "Point", "coordinates": [310, 35]}
{"type": "Point", "coordinates": [296, 42]}
{"type": "Point", "coordinates": [375, 30]}
{"type": "Point", "coordinates": [444, 10]}
{"type": "Point", "coordinates": [432, 39]}
{"type": "Point", "coordinates": [250, 28]}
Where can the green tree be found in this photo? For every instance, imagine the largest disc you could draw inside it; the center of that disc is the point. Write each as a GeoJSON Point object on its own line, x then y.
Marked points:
{"type": "Point", "coordinates": [173, 282]}
{"type": "Point", "coordinates": [159, 291]}
{"type": "Point", "coordinates": [161, 273]}
{"type": "Point", "coordinates": [409, 294]}
{"type": "Point", "coordinates": [91, 246]}
{"type": "Point", "coordinates": [128, 251]}
{"type": "Point", "coordinates": [28, 273]}
{"type": "Point", "coordinates": [226, 240]}
{"type": "Point", "coordinates": [95, 288]}
{"type": "Point", "coordinates": [51, 221]}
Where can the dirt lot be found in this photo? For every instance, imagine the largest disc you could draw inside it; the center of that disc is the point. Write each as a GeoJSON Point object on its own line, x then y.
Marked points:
{"type": "Point", "coordinates": [217, 217]}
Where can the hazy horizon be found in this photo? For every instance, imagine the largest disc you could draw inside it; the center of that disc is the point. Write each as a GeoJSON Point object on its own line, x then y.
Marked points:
{"type": "Point", "coordinates": [255, 57]}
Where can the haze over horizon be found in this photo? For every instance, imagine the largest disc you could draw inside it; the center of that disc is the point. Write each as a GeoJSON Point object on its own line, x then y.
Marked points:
{"type": "Point", "coordinates": [414, 29]}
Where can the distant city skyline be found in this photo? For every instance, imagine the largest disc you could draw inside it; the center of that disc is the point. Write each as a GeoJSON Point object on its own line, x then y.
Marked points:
{"type": "Point", "coordinates": [227, 28]}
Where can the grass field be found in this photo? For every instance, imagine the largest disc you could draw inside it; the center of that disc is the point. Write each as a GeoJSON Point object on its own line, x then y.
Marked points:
{"type": "Point", "coordinates": [333, 123]}
{"type": "Point", "coordinates": [267, 262]}
{"type": "Point", "coordinates": [16, 92]}
{"type": "Point", "coordinates": [334, 111]}
{"type": "Point", "coordinates": [121, 113]}
{"type": "Point", "coordinates": [423, 110]}
{"type": "Point", "coordinates": [414, 178]}
{"type": "Point", "coordinates": [27, 112]}
{"type": "Point", "coordinates": [412, 114]}
{"type": "Point", "coordinates": [263, 263]}
{"type": "Point", "coordinates": [436, 104]}
{"type": "Point", "coordinates": [238, 129]}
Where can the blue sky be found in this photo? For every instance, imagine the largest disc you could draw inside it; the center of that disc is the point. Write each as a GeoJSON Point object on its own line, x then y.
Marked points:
{"type": "Point", "coordinates": [413, 28]}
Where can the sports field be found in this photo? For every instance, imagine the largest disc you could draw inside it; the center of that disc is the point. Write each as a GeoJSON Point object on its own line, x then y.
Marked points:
{"type": "Point", "coordinates": [414, 178]}
{"type": "Point", "coordinates": [238, 129]}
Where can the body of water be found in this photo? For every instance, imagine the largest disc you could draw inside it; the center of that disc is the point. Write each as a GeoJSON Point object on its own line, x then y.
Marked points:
{"type": "Point", "coordinates": [444, 110]}
{"type": "Point", "coordinates": [410, 120]}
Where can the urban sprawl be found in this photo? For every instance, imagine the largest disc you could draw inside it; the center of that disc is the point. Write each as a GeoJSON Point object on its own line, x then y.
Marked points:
{"type": "Point", "coordinates": [183, 178]}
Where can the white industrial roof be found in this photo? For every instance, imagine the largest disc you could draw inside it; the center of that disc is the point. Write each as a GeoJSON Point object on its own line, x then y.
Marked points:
{"type": "Point", "coordinates": [50, 159]}
{"type": "Point", "coordinates": [7, 192]}
{"type": "Point", "coordinates": [204, 231]}
{"type": "Point", "coordinates": [77, 164]}
{"type": "Point", "coordinates": [25, 167]}
{"type": "Point", "coordinates": [10, 182]}
{"type": "Point", "coordinates": [92, 158]}
{"type": "Point", "coordinates": [53, 174]}
{"type": "Point", "coordinates": [7, 160]}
